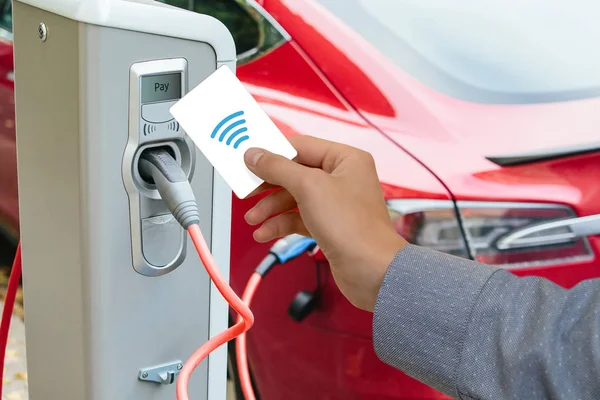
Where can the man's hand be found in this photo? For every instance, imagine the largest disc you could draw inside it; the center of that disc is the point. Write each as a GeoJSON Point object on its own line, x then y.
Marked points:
{"type": "Point", "coordinates": [339, 203]}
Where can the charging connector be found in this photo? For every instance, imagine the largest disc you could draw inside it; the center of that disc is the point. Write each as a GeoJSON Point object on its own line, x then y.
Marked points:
{"type": "Point", "coordinates": [157, 165]}
{"type": "Point", "coordinates": [283, 251]}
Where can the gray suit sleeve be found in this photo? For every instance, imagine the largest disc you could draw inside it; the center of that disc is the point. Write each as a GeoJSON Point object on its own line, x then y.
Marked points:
{"type": "Point", "coordinates": [477, 332]}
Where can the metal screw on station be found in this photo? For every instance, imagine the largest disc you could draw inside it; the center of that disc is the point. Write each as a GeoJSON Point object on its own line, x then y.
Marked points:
{"type": "Point", "coordinates": [42, 31]}
{"type": "Point", "coordinates": [145, 375]}
{"type": "Point", "coordinates": [179, 366]}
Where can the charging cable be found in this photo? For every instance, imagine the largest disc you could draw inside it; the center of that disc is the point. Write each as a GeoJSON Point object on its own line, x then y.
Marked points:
{"type": "Point", "coordinates": [9, 302]}
{"type": "Point", "coordinates": [159, 167]}
{"type": "Point", "coordinates": [283, 250]}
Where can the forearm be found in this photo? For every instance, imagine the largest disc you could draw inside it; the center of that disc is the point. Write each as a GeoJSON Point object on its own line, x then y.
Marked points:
{"type": "Point", "coordinates": [477, 332]}
{"type": "Point", "coordinates": [422, 312]}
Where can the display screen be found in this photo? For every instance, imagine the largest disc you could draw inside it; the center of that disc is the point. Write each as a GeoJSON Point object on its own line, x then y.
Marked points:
{"type": "Point", "coordinates": [161, 87]}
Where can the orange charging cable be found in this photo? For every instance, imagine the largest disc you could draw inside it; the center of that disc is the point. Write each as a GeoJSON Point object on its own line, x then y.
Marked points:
{"type": "Point", "coordinates": [9, 302]}
{"type": "Point", "coordinates": [282, 251]}
{"type": "Point", "coordinates": [245, 320]}
{"type": "Point", "coordinates": [240, 343]}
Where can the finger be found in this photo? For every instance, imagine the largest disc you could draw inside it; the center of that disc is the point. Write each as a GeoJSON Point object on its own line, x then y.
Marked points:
{"type": "Point", "coordinates": [318, 153]}
{"type": "Point", "coordinates": [280, 226]}
{"type": "Point", "coordinates": [275, 203]}
{"type": "Point", "coordinates": [277, 170]}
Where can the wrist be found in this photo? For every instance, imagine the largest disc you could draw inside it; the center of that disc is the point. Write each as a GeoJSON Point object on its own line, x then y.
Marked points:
{"type": "Point", "coordinates": [380, 259]}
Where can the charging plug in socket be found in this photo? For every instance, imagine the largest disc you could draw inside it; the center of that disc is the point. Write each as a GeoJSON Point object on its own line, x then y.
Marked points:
{"type": "Point", "coordinates": [145, 173]}
{"type": "Point", "coordinates": [158, 165]}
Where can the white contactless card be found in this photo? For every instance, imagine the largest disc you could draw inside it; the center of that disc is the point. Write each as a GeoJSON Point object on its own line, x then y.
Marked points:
{"type": "Point", "coordinates": [224, 120]}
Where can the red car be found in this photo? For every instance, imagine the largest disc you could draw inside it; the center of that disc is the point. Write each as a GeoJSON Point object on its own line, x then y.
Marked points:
{"type": "Point", "coordinates": [484, 124]}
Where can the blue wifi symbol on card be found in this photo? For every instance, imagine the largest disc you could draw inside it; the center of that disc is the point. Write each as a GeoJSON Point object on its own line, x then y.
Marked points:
{"type": "Point", "coordinates": [233, 123]}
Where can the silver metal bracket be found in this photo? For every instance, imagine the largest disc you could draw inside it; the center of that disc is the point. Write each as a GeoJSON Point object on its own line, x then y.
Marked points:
{"type": "Point", "coordinates": [165, 373]}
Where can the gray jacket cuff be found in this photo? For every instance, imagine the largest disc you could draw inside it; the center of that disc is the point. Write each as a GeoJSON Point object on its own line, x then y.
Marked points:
{"type": "Point", "coordinates": [422, 312]}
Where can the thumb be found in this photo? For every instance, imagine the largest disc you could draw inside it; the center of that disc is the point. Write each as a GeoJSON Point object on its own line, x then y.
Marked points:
{"type": "Point", "coordinates": [275, 169]}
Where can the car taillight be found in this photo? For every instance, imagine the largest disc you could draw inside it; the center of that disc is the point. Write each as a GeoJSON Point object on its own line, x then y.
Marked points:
{"type": "Point", "coordinates": [509, 235]}
{"type": "Point", "coordinates": [429, 223]}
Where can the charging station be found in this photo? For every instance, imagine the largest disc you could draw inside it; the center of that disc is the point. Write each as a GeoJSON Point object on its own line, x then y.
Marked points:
{"type": "Point", "coordinates": [115, 297]}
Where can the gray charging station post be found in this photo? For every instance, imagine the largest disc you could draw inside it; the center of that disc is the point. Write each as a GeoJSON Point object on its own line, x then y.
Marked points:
{"type": "Point", "coordinates": [115, 295]}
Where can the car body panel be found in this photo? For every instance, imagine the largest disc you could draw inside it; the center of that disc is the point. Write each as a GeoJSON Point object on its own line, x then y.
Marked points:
{"type": "Point", "coordinates": [453, 138]}
{"type": "Point", "coordinates": [301, 103]}
{"type": "Point", "coordinates": [394, 101]}
{"type": "Point", "coordinates": [9, 205]}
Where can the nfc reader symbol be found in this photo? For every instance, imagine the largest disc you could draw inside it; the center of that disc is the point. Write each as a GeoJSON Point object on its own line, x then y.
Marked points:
{"type": "Point", "coordinates": [231, 127]}
{"type": "Point", "coordinates": [149, 128]}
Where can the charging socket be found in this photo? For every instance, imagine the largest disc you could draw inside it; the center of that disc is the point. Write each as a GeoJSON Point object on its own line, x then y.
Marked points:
{"type": "Point", "coordinates": [158, 241]}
